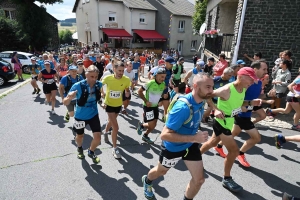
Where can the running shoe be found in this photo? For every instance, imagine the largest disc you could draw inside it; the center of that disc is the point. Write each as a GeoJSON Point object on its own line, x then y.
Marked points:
{"type": "Point", "coordinates": [296, 128]}
{"type": "Point", "coordinates": [139, 128]}
{"type": "Point", "coordinates": [147, 188]}
{"type": "Point", "coordinates": [269, 113]}
{"type": "Point", "coordinates": [145, 138]}
{"type": "Point", "coordinates": [106, 138]}
{"type": "Point", "coordinates": [80, 154]}
{"type": "Point", "coordinates": [163, 119]}
{"type": "Point", "coordinates": [231, 185]}
{"type": "Point", "coordinates": [220, 152]}
{"type": "Point", "coordinates": [34, 91]}
{"type": "Point", "coordinates": [242, 160]}
{"type": "Point", "coordinates": [95, 158]}
{"type": "Point", "coordinates": [67, 117]}
{"type": "Point", "coordinates": [116, 153]}
{"type": "Point", "coordinates": [38, 91]}
{"type": "Point", "coordinates": [278, 140]}
{"type": "Point", "coordinates": [52, 112]}
{"type": "Point", "coordinates": [287, 196]}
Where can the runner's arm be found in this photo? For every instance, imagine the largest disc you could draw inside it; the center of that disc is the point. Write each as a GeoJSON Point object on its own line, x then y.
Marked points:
{"type": "Point", "coordinates": [61, 89]}
{"type": "Point", "coordinates": [141, 94]}
{"type": "Point", "coordinates": [40, 78]}
{"type": "Point", "coordinates": [171, 136]}
{"type": "Point", "coordinates": [187, 76]}
{"type": "Point", "coordinates": [222, 92]}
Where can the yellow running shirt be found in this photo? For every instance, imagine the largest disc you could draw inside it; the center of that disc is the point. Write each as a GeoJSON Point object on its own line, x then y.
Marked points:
{"type": "Point", "coordinates": [115, 89]}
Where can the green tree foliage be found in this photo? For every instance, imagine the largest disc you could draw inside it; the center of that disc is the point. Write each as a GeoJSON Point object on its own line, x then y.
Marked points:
{"type": "Point", "coordinates": [65, 36]}
{"type": "Point", "coordinates": [11, 36]}
{"type": "Point", "coordinates": [41, 1]}
{"type": "Point", "coordinates": [200, 14]}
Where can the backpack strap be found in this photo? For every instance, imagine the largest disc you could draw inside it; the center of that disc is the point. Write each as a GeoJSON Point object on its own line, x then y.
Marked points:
{"type": "Point", "coordinates": [190, 107]}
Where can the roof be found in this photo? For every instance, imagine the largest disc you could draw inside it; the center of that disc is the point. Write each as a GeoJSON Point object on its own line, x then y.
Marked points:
{"type": "Point", "coordinates": [48, 14]}
{"type": "Point", "coordinates": [117, 33]}
{"type": "Point", "coordinates": [178, 7]}
{"type": "Point", "coordinates": [138, 4]}
{"type": "Point", "coordinates": [150, 35]}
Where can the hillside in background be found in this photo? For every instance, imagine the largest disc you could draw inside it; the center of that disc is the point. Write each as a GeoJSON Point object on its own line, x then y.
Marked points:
{"type": "Point", "coordinates": [70, 20]}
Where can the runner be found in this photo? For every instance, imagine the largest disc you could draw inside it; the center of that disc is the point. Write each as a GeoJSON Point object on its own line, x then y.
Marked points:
{"type": "Point", "coordinates": [47, 77]}
{"type": "Point", "coordinates": [188, 79]}
{"type": "Point", "coordinates": [180, 139]}
{"type": "Point", "coordinates": [231, 98]}
{"type": "Point", "coordinates": [161, 63]}
{"type": "Point", "coordinates": [81, 68]}
{"type": "Point", "coordinates": [154, 89]}
{"type": "Point", "coordinates": [87, 92]}
{"type": "Point", "coordinates": [116, 84]}
{"type": "Point", "coordinates": [143, 62]}
{"type": "Point", "coordinates": [65, 85]}
{"type": "Point", "coordinates": [34, 70]}
{"type": "Point", "coordinates": [130, 74]}
{"type": "Point", "coordinates": [280, 139]}
{"type": "Point", "coordinates": [287, 196]}
{"type": "Point", "coordinates": [243, 120]}
{"type": "Point", "coordinates": [136, 69]}
{"type": "Point", "coordinates": [177, 70]}
{"type": "Point", "coordinates": [165, 99]}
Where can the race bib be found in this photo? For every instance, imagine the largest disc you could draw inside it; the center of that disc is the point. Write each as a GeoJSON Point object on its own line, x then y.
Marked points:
{"type": "Point", "coordinates": [170, 162]}
{"type": "Point", "coordinates": [33, 75]}
{"type": "Point", "coordinates": [150, 115]}
{"type": "Point", "coordinates": [50, 81]}
{"type": "Point", "coordinates": [236, 112]}
{"type": "Point", "coordinates": [250, 107]}
{"type": "Point", "coordinates": [115, 94]}
{"type": "Point", "coordinates": [135, 71]}
{"type": "Point", "coordinates": [79, 124]}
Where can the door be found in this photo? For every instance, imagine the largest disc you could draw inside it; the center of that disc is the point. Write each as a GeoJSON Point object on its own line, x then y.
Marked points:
{"type": "Point", "coordinates": [179, 46]}
{"type": "Point", "coordinates": [118, 43]}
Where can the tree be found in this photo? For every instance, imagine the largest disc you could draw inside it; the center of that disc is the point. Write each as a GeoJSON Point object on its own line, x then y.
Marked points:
{"type": "Point", "coordinates": [200, 14]}
{"type": "Point", "coordinates": [11, 36]}
{"type": "Point", "coordinates": [61, 36]}
{"type": "Point", "coordinates": [68, 37]}
{"type": "Point", "coordinates": [41, 1]}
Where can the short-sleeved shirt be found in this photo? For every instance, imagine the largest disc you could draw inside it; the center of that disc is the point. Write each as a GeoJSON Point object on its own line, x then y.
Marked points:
{"type": "Point", "coordinates": [34, 69]}
{"type": "Point", "coordinates": [41, 63]}
{"type": "Point", "coordinates": [48, 75]}
{"type": "Point", "coordinates": [296, 87]}
{"type": "Point", "coordinates": [115, 89]}
{"type": "Point", "coordinates": [65, 82]}
{"type": "Point", "coordinates": [176, 118]}
{"type": "Point", "coordinates": [90, 109]}
{"type": "Point", "coordinates": [135, 68]}
{"type": "Point", "coordinates": [179, 69]}
{"type": "Point", "coordinates": [93, 58]}
{"type": "Point", "coordinates": [109, 66]}
{"type": "Point", "coordinates": [154, 91]}
{"type": "Point", "coordinates": [130, 74]}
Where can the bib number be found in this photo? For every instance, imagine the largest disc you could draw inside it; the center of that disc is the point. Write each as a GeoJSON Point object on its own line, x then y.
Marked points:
{"type": "Point", "coordinates": [115, 94]}
{"type": "Point", "coordinates": [50, 81]}
{"type": "Point", "coordinates": [135, 71]}
{"type": "Point", "coordinates": [150, 115]}
{"type": "Point", "coordinates": [250, 107]}
{"type": "Point", "coordinates": [79, 124]}
{"type": "Point", "coordinates": [170, 162]}
{"type": "Point", "coordinates": [236, 112]}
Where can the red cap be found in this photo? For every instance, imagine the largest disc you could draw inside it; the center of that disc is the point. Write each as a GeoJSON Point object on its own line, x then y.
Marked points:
{"type": "Point", "coordinates": [248, 71]}
{"type": "Point", "coordinates": [161, 62]}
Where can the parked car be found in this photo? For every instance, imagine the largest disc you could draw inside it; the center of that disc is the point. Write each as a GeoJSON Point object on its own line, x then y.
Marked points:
{"type": "Point", "coordinates": [6, 72]}
{"type": "Point", "coordinates": [23, 56]}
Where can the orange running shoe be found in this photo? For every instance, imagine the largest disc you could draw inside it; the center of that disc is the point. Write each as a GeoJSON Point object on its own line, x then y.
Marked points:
{"type": "Point", "coordinates": [242, 160]}
{"type": "Point", "coordinates": [220, 152]}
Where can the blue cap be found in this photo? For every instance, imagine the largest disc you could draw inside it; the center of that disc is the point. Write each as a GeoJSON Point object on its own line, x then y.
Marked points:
{"type": "Point", "coordinates": [73, 67]}
{"type": "Point", "coordinates": [170, 60]}
{"type": "Point", "coordinates": [201, 63]}
{"type": "Point", "coordinates": [240, 62]}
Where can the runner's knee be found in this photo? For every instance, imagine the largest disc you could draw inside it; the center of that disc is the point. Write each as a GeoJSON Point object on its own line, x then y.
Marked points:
{"type": "Point", "coordinates": [198, 181]}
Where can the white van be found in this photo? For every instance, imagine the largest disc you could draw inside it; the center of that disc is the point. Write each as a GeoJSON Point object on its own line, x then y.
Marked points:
{"type": "Point", "coordinates": [23, 56]}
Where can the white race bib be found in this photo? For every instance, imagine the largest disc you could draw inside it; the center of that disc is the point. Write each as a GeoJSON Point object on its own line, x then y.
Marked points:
{"type": "Point", "coordinates": [150, 115]}
{"type": "Point", "coordinates": [79, 124]}
{"type": "Point", "coordinates": [115, 94]}
{"type": "Point", "coordinates": [250, 107]}
{"type": "Point", "coordinates": [236, 111]}
{"type": "Point", "coordinates": [50, 81]}
{"type": "Point", "coordinates": [170, 162]}
{"type": "Point", "coordinates": [135, 71]}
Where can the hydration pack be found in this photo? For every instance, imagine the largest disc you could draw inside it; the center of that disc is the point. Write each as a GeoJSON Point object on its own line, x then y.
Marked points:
{"type": "Point", "coordinates": [85, 94]}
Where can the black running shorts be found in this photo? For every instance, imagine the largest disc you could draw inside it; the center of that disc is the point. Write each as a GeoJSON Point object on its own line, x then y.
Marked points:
{"type": "Point", "coordinates": [219, 129]}
{"type": "Point", "coordinates": [79, 125]}
{"type": "Point", "coordinates": [244, 123]}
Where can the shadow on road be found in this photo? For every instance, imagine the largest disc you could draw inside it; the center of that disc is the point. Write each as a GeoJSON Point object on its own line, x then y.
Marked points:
{"type": "Point", "coordinates": [290, 159]}
{"type": "Point", "coordinates": [8, 85]}
{"type": "Point", "coordinates": [56, 120]}
{"type": "Point", "coordinates": [105, 186]}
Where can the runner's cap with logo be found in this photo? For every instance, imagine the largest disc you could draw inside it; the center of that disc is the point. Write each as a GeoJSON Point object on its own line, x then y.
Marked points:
{"type": "Point", "coordinates": [170, 60]}
{"type": "Point", "coordinates": [248, 71]}
{"type": "Point", "coordinates": [200, 62]}
{"type": "Point", "coordinates": [73, 67]}
{"type": "Point", "coordinates": [46, 62]}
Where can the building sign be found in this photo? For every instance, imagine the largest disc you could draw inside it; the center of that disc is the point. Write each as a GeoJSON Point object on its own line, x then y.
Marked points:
{"type": "Point", "coordinates": [111, 25]}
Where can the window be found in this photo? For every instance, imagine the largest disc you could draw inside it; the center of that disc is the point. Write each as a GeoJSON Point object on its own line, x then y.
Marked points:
{"type": "Point", "coordinates": [142, 18]}
{"type": "Point", "coordinates": [112, 16]}
{"type": "Point", "coordinates": [5, 55]}
{"type": "Point", "coordinates": [193, 44]}
{"type": "Point", "coordinates": [22, 57]}
{"type": "Point", "coordinates": [181, 26]}
{"type": "Point", "coordinates": [83, 1]}
{"type": "Point", "coordinates": [10, 14]}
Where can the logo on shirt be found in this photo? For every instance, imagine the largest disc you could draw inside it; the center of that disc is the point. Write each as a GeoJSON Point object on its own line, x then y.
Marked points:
{"type": "Point", "coordinates": [192, 123]}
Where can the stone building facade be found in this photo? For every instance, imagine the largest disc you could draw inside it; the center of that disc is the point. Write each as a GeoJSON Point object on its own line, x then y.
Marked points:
{"type": "Point", "coordinates": [270, 26]}
{"type": "Point", "coordinates": [10, 10]}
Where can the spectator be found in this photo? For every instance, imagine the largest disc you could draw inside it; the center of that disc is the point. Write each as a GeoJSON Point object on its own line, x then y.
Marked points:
{"type": "Point", "coordinates": [87, 62]}
{"type": "Point", "coordinates": [220, 66]}
{"type": "Point", "coordinates": [195, 58]}
{"type": "Point", "coordinates": [208, 68]}
{"type": "Point", "coordinates": [257, 56]}
{"type": "Point", "coordinates": [277, 64]}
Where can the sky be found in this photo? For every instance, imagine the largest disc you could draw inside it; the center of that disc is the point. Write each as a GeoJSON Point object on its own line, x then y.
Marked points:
{"type": "Point", "coordinates": [61, 11]}
{"type": "Point", "coordinates": [64, 10]}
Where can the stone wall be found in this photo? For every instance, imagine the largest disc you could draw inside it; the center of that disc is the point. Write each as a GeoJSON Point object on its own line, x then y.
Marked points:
{"type": "Point", "coordinates": [270, 27]}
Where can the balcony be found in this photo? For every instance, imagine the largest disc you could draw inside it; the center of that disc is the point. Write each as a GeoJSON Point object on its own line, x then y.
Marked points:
{"type": "Point", "coordinates": [180, 30]}
{"type": "Point", "coordinates": [221, 43]}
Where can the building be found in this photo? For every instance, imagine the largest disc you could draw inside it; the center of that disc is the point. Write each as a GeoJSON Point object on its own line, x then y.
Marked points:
{"type": "Point", "coordinates": [10, 10]}
{"type": "Point", "coordinates": [174, 21]}
{"type": "Point", "coordinates": [246, 27]}
{"type": "Point", "coordinates": [115, 23]}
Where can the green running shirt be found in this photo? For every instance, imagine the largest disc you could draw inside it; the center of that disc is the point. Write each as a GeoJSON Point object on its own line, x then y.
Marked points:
{"type": "Point", "coordinates": [153, 92]}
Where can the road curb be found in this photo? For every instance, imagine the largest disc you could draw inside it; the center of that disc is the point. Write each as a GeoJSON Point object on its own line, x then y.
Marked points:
{"type": "Point", "coordinates": [14, 88]}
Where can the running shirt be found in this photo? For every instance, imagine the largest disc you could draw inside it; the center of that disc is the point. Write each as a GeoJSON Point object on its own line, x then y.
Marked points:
{"type": "Point", "coordinates": [115, 89]}
{"type": "Point", "coordinates": [253, 92]}
{"type": "Point", "coordinates": [230, 107]}
{"type": "Point", "coordinates": [90, 109]}
{"type": "Point", "coordinates": [194, 72]}
{"type": "Point", "coordinates": [135, 69]}
{"type": "Point", "coordinates": [34, 69]}
{"type": "Point", "coordinates": [143, 60]}
{"type": "Point", "coordinates": [63, 70]}
{"type": "Point", "coordinates": [48, 75]}
{"type": "Point", "coordinates": [296, 87]}
{"type": "Point", "coordinates": [219, 82]}
{"type": "Point", "coordinates": [176, 118]}
{"type": "Point", "coordinates": [167, 79]}
{"type": "Point", "coordinates": [130, 75]}
{"type": "Point", "coordinates": [154, 91]}
{"type": "Point", "coordinates": [64, 81]}
{"type": "Point", "coordinates": [177, 70]}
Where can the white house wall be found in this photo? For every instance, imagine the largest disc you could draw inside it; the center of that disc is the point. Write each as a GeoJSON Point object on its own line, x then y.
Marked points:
{"type": "Point", "coordinates": [150, 20]}
{"type": "Point", "coordinates": [211, 4]}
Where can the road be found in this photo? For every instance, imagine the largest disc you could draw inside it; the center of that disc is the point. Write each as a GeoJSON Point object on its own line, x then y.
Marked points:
{"type": "Point", "coordinates": [38, 159]}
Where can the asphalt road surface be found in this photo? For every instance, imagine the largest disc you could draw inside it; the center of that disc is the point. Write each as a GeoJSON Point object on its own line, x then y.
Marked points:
{"type": "Point", "coordinates": [38, 159]}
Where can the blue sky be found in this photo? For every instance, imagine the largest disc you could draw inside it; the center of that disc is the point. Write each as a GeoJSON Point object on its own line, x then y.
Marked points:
{"type": "Point", "coordinates": [64, 10]}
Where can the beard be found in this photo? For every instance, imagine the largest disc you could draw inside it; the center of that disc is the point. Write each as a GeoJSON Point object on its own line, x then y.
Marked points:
{"type": "Point", "coordinates": [203, 95]}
